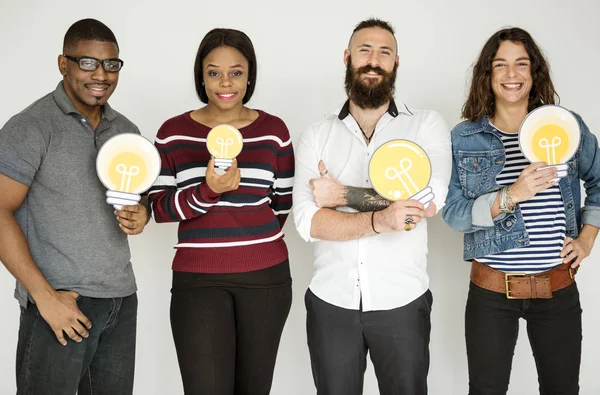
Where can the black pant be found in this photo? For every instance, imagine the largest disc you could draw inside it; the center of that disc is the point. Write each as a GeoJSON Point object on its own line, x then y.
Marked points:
{"type": "Point", "coordinates": [102, 364]}
{"type": "Point", "coordinates": [554, 329]}
{"type": "Point", "coordinates": [227, 337]}
{"type": "Point", "coordinates": [397, 340]}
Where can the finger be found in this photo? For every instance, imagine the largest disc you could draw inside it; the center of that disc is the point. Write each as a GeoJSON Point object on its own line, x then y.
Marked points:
{"type": "Point", "coordinates": [415, 203]}
{"type": "Point", "coordinates": [576, 263]}
{"type": "Point", "coordinates": [126, 230]}
{"type": "Point", "coordinates": [210, 168]}
{"type": "Point", "coordinates": [84, 320]}
{"type": "Point", "coordinates": [73, 335]}
{"type": "Point", "coordinates": [323, 169]}
{"type": "Point", "coordinates": [123, 214]}
{"type": "Point", "coordinates": [233, 164]}
{"type": "Point", "coordinates": [60, 337]}
{"type": "Point", "coordinates": [81, 330]}
{"type": "Point", "coordinates": [127, 223]}
{"type": "Point", "coordinates": [566, 251]}
{"type": "Point", "coordinates": [534, 166]}
{"type": "Point", "coordinates": [136, 208]}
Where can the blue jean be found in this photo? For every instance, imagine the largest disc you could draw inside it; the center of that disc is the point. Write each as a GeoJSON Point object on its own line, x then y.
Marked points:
{"type": "Point", "coordinates": [554, 329]}
{"type": "Point", "coordinates": [397, 341]}
{"type": "Point", "coordinates": [102, 364]}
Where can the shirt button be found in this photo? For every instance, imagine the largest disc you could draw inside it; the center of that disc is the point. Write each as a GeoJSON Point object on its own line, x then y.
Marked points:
{"type": "Point", "coordinates": [83, 120]}
{"type": "Point", "coordinates": [570, 205]}
{"type": "Point", "coordinates": [508, 223]}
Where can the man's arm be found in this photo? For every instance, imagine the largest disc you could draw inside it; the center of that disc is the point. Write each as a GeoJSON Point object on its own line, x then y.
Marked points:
{"type": "Point", "coordinates": [333, 225]}
{"type": "Point", "coordinates": [58, 308]}
{"type": "Point", "coordinates": [329, 192]}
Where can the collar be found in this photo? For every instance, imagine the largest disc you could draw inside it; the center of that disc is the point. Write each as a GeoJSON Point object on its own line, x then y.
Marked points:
{"type": "Point", "coordinates": [63, 101]}
{"type": "Point", "coordinates": [392, 109]}
{"type": "Point", "coordinates": [479, 126]}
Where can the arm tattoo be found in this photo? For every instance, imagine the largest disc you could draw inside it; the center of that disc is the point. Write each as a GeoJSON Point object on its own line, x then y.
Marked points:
{"type": "Point", "coordinates": [364, 199]}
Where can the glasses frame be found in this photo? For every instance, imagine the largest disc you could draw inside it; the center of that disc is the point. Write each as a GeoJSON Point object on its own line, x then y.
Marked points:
{"type": "Point", "coordinates": [98, 63]}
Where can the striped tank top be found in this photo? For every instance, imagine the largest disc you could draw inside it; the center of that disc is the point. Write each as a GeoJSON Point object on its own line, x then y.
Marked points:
{"type": "Point", "coordinates": [544, 217]}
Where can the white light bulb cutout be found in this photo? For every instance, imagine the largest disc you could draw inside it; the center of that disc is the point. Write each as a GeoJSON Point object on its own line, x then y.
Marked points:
{"type": "Point", "coordinates": [127, 164]}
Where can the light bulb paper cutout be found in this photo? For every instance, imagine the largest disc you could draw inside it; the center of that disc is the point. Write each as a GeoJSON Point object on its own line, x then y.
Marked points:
{"type": "Point", "coordinates": [224, 142]}
{"type": "Point", "coordinates": [550, 134]}
{"type": "Point", "coordinates": [401, 170]}
{"type": "Point", "coordinates": [127, 165]}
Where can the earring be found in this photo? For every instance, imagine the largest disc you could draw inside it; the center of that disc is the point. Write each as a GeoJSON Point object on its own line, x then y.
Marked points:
{"type": "Point", "coordinates": [202, 83]}
{"type": "Point", "coordinates": [248, 82]}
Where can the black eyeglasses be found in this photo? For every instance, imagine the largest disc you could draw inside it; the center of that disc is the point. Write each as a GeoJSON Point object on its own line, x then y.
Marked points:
{"type": "Point", "coordinates": [87, 63]}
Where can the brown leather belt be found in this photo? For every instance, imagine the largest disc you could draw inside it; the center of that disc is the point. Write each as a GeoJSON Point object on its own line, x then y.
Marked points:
{"type": "Point", "coordinates": [521, 285]}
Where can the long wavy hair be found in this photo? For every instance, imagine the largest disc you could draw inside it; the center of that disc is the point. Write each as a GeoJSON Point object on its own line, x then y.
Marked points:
{"type": "Point", "coordinates": [481, 100]}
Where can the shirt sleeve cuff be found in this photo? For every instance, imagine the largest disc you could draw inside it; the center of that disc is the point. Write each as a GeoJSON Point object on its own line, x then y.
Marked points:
{"type": "Point", "coordinates": [481, 211]}
{"type": "Point", "coordinates": [590, 215]}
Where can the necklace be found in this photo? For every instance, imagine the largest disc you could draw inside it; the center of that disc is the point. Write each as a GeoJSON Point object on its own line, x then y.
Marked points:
{"type": "Point", "coordinates": [365, 135]}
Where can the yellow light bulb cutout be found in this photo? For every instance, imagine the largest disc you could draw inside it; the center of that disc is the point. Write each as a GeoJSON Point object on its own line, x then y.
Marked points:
{"type": "Point", "coordinates": [400, 170]}
{"type": "Point", "coordinates": [550, 134]}
{"type": "Point", "coordinates": [127, 165]}
{"type": "Point", "coordinates": [224, 142]}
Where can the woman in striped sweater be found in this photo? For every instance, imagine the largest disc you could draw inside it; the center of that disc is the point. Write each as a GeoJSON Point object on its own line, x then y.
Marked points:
{"type": "Point", "coordinates": [231, 290]}
{"type": "Point", "coordinates": [524, 230]}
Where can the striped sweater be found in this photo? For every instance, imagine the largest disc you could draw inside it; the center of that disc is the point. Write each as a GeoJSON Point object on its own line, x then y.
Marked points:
{"type": "Point", "coordinates": [233, 232]}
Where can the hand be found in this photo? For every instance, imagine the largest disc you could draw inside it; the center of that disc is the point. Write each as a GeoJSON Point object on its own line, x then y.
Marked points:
{"type": "Point", "coordinates": [531, 181]}
{"type": "Point", "coordinates": [61, 312]}
{"type": "Point", "coordinates": [132, 219]}
{"type": "Point", "coordinates": [230, 181]}
{"type": "Point", "coordinates": [576, 250]}
{"type": "Point", "coordinates": [392, 218]}
{"type": "Point", "coordinates": [327, 191]}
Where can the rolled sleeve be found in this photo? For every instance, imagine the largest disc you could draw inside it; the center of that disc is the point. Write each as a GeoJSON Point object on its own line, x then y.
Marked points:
{"type": "Point", "coordinates": [305, 207]}
{"type": "Point", "coordinates": [482, 211]}
{"type": "Point", "coordinates": [436, 142]}
{"type": "Point", "coordinates": [22, 149]}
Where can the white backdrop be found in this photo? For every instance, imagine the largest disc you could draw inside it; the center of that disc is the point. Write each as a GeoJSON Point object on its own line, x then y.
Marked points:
{"type": "Point", "coordinates": [300, 78]}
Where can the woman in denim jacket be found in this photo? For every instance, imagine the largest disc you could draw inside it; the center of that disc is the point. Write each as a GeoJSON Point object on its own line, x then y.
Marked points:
{"type": "Point", "coordinates": [524, 230]}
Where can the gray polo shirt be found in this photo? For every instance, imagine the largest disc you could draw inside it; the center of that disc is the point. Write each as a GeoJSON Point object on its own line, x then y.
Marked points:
{"type": "Point", "coordinates": [72, 233]}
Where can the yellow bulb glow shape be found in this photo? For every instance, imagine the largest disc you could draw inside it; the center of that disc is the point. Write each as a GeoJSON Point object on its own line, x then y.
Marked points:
{"type": "Point", "coordinates": [400, 170]}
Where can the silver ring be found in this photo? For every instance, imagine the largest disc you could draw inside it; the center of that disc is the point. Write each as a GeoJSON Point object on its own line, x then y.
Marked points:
{"type": "Point", "coordinates": [324, 173]}
{"type": "Point", "coordinates": [409, 219]}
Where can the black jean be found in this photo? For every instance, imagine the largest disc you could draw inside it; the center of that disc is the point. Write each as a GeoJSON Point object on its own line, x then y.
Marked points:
{"type": "Point", "coordinates": [227, 337]}
{"type": "Point", "coordinates": [554, 329]}
{"type": "Point", "coordinates": [397, 341]}
{"type": "Point", "coordinates": [102, 364]}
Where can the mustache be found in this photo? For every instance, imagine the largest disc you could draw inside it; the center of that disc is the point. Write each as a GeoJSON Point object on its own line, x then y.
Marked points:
{"type": "Point", "coordinates": [368, 68]}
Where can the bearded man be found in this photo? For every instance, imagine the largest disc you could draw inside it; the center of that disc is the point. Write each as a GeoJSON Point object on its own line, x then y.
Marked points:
{"type": "Point", "coordinates": [370, 290]}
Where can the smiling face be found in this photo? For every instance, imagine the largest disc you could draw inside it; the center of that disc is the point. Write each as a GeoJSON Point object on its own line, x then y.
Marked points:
{"type": "Point", "coordinates": [225, 76]}
{"type": "Point", "coordinates": [89, 90]}
{"type": "Point", "coordinates": [511, 75]}
{"type": "Point", "coordinates": [371, 63]}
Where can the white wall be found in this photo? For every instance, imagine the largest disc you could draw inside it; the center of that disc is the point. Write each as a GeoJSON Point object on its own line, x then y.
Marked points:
{"type": "Point", "coordinates": [299, 47]}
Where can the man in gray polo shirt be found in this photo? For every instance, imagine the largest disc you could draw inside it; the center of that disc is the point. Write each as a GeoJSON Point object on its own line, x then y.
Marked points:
{"type": "Point", "coordinates": [59, 238]}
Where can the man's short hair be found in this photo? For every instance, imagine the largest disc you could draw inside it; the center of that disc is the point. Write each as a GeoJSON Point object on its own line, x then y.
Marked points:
{"type": "Point", "coordinates": [88, 30]}
{"type": "Point", "coordinates": [372, 22]}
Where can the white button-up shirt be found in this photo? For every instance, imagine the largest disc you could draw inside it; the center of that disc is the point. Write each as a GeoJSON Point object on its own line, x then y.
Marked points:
{"type": "Point", "coordinates": [387, 270]}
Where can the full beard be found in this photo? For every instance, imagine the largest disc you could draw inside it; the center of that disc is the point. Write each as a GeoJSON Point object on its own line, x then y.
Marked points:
{"type": "Point", "coordinates": [369, 93]}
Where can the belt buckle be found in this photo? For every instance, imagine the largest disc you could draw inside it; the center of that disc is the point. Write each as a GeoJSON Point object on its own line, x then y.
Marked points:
{"type": "Point", "coordinates": [507, 281]}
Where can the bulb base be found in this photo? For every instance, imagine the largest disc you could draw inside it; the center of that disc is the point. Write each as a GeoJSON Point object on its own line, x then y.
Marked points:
{"type": "Point", "coordinates": [120, 199]}
{"type": "Point", "coordinates": [561, 170]}
{"type": "Point", "coordinates": [424, 196]}
{"type": "Point", "coordinates": [223, 163]}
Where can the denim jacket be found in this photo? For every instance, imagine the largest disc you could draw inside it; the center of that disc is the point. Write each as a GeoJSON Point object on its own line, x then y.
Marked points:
{"type": "Point", "coordinates": [478, 156]}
